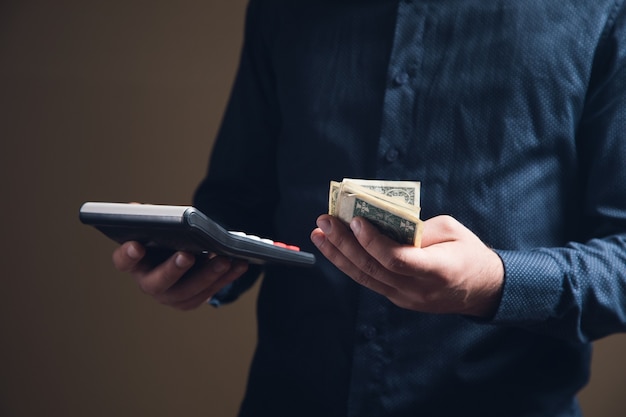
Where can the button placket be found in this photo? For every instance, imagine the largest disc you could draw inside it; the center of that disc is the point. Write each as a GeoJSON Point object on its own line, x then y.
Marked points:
{"type": "Point", "coordinates": [401, 78]}
{"type": "Point", "coordinates": [401, 96]}
{"type": "Point", "coordinates": [392, 155]}
{"type": "Point", "coordinates": [368, 332]}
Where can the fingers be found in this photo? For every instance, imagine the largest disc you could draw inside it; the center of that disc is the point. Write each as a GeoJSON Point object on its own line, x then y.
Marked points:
{"type": "Point", "coordinates": [202, 283]}
{"type": "Point", "coordinates": [338, 244]}
{"type": "Point", "coordinates": [180, 281]}
{"type": "Point", "coordinates": [453, 271]}
{"type": "Point", "coordinates": [406, 260]}
{"type": "Point", "coordinates": [369, 257]}
{"type": "Point", "coordinates": [399, 259]}
{"type": "Point", "coordinates": [157, 280]}
{"type": "Point", "coordinates": [128, 256]}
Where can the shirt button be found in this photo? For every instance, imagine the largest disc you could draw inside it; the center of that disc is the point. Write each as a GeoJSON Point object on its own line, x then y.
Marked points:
{"type": "Point", "coordinates": [392, 155]}
{"type": "Point", "coordinates": [401, 78]}
{"type": "Point", "coordinates": [369, 332]}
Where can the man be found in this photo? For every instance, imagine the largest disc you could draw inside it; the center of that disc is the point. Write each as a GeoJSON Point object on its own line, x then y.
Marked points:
{"type": "Point", "coordinates": [512, 115]}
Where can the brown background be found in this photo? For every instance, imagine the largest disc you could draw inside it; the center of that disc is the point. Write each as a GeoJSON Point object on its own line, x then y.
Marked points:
{"type": "Point", "coordinates": [119, 101]}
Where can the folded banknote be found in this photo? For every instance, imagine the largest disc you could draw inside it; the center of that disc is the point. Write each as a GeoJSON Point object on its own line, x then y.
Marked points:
{"type": "Point", "coordinates": [392, 206]}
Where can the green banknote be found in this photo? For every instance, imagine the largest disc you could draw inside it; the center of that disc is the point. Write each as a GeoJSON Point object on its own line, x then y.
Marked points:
{"type": "Point", "coordinates": [392, 206]}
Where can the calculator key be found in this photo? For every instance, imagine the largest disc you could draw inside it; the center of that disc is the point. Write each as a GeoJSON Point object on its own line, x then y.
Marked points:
{"type": "Point", "coordinates": [264, 240]}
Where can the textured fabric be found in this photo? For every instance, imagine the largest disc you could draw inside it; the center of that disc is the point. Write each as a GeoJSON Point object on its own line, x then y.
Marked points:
{"type": "Point", "coordinates": [513, 116]}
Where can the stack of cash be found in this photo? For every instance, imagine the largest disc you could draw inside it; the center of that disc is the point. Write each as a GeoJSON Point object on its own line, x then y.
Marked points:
{"type": "Point", "coordinates": [392, 206]}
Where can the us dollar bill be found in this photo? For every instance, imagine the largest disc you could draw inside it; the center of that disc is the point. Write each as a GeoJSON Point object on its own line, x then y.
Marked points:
{"type": "Point", "coordinates": [392, 206]}
{"type": "Point", "coordinates": [408, 191]}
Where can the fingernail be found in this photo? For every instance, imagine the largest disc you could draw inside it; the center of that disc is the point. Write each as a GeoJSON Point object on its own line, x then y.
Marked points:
{"type": "Point", "coordinates": [183, 261]}
{"type": "Point", "coordinates": [355, 225]}
{"type": "Point", "coordinates": [324, 224]}
{"type": "Point", "coordinates": [132, 252]}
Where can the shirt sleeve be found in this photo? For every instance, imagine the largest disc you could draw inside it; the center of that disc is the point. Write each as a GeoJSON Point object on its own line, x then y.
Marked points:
{"type": "Point", "coordinates": [239, 190]}
{"type": "Point", "coordinates": [578, 292]}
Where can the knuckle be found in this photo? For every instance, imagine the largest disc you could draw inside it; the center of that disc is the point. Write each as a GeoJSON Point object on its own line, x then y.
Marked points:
{"type": "Point", "coordinates": [427, 299]}
{"type": "Point", "coordinates": [330, 251]}
{"type": "Point", "coordinates": [400, 302]}
{"type": "Point", "coordinates": [432, 302]}
{"type": "Point", "coordinates": [367, 241]}
{"type": "Point", "coordinates": [447, 223]}
{"type": "Point", "coordinates": [400, 299]}
{"type": "Point", "coordinates": [397, 263]}
{"type": "Point", "coordinates": [337, 239]}
{"type": "Point", "coordinates": [362, 278]}
{"type": "Point", "coordinates": [371, 267]}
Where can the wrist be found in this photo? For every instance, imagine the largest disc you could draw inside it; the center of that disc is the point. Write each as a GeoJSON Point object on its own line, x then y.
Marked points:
{"type": "Point", "coordinates": [489, 295]}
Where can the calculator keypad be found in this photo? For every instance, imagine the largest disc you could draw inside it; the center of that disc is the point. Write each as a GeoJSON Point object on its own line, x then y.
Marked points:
{"type": "Point", "coordinates": [265, 240]}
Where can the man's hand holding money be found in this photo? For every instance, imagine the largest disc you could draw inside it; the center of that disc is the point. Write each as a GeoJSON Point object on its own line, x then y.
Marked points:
{"type": "Point", "coordinates": [452, 271]}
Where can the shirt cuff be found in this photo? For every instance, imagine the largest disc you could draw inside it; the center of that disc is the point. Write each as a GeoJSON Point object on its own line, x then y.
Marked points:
{"type": "Point", "coordinates": [532, 288]}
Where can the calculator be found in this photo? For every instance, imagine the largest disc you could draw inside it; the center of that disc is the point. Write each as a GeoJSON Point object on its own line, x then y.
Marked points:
{"type": "Point", "coordinates": [185, 228]}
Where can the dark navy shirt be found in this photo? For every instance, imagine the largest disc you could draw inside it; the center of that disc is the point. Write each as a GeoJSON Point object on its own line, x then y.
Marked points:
{"type": "Point", "coordinates": [512, 114]}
